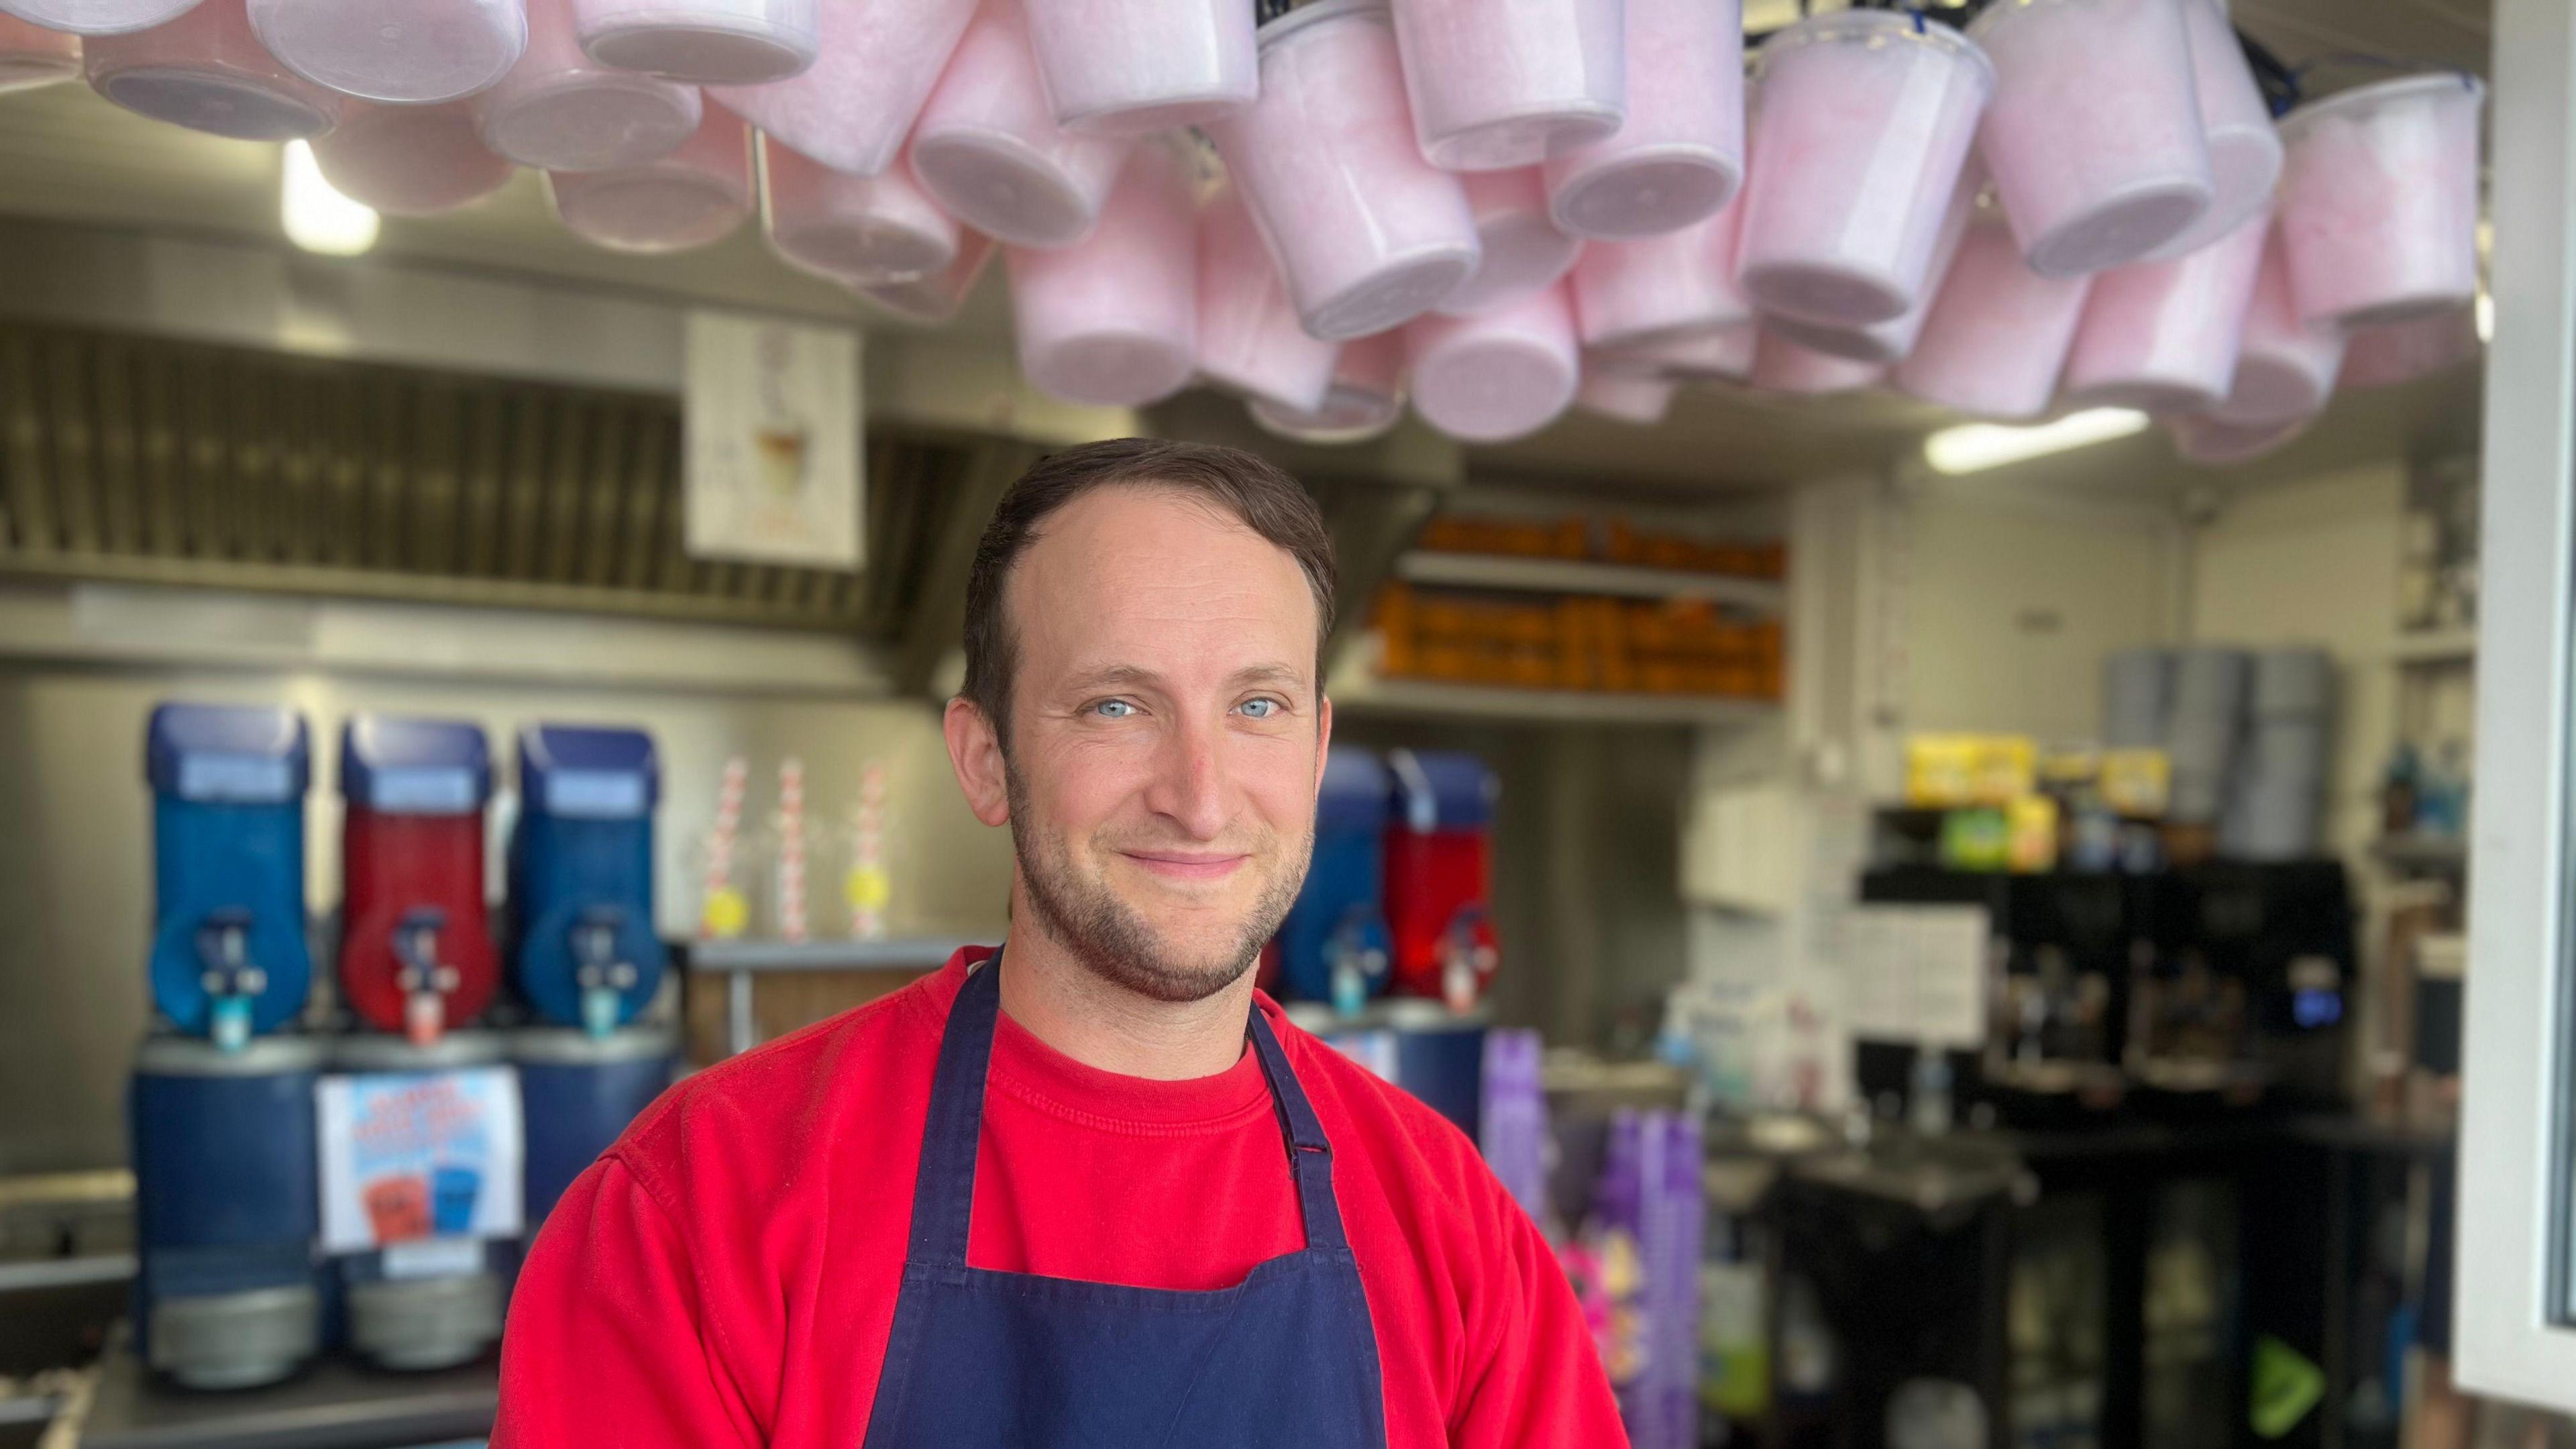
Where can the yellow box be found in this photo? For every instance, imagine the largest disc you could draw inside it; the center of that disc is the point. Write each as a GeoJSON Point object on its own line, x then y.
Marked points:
{"type": "Point", "coordinates": [2137, 783]}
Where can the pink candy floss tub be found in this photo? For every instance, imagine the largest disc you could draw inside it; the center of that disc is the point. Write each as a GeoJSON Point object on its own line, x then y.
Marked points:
{"type": "Point", "coordinates": [1783, 366]}
{"type": "Point", "coordinates": [1367, 233]}
{"type": "Point", "coordinates": [1630, 397]}
{"type": "Point", "coordinates": [1890, 341]}
{"type": "Point", "coordinates": [2399, 352]}
{"type": "Point", "coordinates": [1503, 373]}
{"type": "Point", "coordinates": [859, 230]}
{"type": "Point", "coordinates": [1522, 249]}
{"type": "Point", "coordinates": [97, 17]}
{"type": "Point", "coordinates": [1681, 283]}
{"type": "Point", "coordinates": [2163, 336]}
{"type": "Point", "coordinates": [696, 195]}
{"type": "Point", "coordinates": [31, 55]}
{"type": "Point", "coordinates": [1724, 354]}
{"type": "Point", "coordinates": [1365, 400]}
{"type": "Point", "coordinates": [709, 42]}
{"type": "Point", "coordinates": [1679, 156]}
{"type": "Point", "coordinates": [2215, 444]}
{"type": "Point", "coordinates": [2094, 135]}
{"type": "Point", "coordinates": [2379, 200]}
{"type": "Point", "coordinates": [1129, 67]}
{"type": "Point", "coordinates": [1866, 117]}
{"type": "Point", "coordinates": [2285, 368]}
{"type": "Point", "coordinates": [1113, 319]}
{"type": "Point", "coordinates": [1511, 84]}
{"type": "Point", "coordinates": [1998, 333]}
{"type": "Point", "coordinates": [934, 298]}
{"type": "Point", "coordinates": [988, 149]}
{"type": "Point", "coordinates": [409, 160]}
{"type": "Point", "coordinates": [559, 110]}
{"type": "Point", "coordinates": [853, 108]}
{"type": "Point", "coordinates": [2235, 120]}
{"type": "Point", "coordinates": [412, 52]}
{"type": "Point", "coordinates": [1249, 336]}
{"type": "Point", "coordinates": [206, 71]}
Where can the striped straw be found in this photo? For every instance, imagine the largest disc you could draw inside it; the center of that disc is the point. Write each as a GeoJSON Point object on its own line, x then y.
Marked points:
{"type": "Point", "coordinates": [720, 841]}
{"type": "Point", "coordinates": [867, 848]}
{"type": "Point", "coordinates": [791, 848]}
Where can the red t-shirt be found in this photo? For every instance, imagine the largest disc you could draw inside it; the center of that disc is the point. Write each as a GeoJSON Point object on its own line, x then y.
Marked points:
{"type": "Point", "coordinates": [726, 1275]}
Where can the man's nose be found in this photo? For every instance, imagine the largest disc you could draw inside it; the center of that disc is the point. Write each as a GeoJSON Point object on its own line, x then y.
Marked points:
{"type": "Point", "coordinates": [1189, 783]}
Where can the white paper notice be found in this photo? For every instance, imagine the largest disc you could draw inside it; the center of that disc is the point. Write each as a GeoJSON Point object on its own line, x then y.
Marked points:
{"type": "Point", "coordinates": [1917, 974]}
{"type": "Point", "coordinates": [415, 1156]}
{"type": "Point", "coordinates": [774, 465]}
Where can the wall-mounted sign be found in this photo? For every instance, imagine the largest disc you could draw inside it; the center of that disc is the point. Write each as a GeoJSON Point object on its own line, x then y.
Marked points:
{"type": "Point", "coordinates": [774, 464]}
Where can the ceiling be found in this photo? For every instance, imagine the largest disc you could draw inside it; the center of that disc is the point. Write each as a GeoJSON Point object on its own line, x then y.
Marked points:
{"type": "Point", "coordinates": [67, 156]}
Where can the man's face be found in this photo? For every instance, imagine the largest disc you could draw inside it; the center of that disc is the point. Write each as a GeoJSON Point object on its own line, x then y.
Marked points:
{"type": "Point", "coordinates": [1167, 737]}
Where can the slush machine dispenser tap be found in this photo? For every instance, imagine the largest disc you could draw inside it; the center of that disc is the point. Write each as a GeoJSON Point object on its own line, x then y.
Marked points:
{"type": "Point", "coordinates": [228, 955]}
{"type": "Point", "coordinates": [232, 981]}
{"type": "Point", "coordinates": [604, 979]}
{"type": "Point", "coordinates": [426, 982]}
{"type": "Point", "coordinates": [417, 957]}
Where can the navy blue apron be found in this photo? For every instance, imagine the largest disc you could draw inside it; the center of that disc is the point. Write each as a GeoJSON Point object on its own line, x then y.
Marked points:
{"type": "Point", "coordinates": [981, 1360]}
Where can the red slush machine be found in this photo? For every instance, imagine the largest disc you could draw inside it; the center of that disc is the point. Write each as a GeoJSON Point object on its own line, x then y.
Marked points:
{"type": "Point", "coordinates": [416, 951]}
{"type": "Point", "coordinates": [1439, 872]}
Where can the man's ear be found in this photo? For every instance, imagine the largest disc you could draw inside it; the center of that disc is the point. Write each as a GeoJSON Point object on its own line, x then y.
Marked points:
{"type": "Point", "coordinates": [1323, 737]}
{"type": "Point", "coordinates": [975, 753]}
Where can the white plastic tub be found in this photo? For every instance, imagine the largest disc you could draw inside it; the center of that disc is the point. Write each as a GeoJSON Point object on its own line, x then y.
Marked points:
{"type": "Point", "coordinates": [1891, 341]}
{"type": "Point", "coordinates": [852, 109]}
{"type": "Point", "coordinates": [409, 160]}
{"type": "Point", "coordinates": [1866, 117]}
{"type": "Point", "coordinates": [2235, 121]}
{"type": "Point", "coordinates": [1249, 338]}
{"type": "Point", "coordinates": [1675, 285]}
{"type": "Point", "coordinates": [2215, 444]}
{"type": "Point", "coordinates": [559, 110]}
{"type": "Point", "coordinates": [935, 297]}
{"type": "Point", "coordinates": [1998, 333]}
{"type": "Point", "coordinates": [2094, 135]}
{"type": "Point", "coordinates": [2163, 336]}
{"type": "Point", "coordinates": [1679, 156]}
{"type": "Point", "coordinates": [1783, 366]}
{"type": "Point", "coordinates": [2379, 200]}
{"type": "Point", "coordinates": [1365, 401]}
{"type": "Point", "coordinates": [710, 42]}
{"type": "Point", "coordinates": [206, 71]}
{"type": "Point", "coordinates": [1368, 234]}
{"type": "Point", "coordinates": [1112, 320]}
{"type": "Point", "coordinates": [988, 149]}
{"type": "Point", "coordinates": [1129, 67]}
{"type": "Point", "coordinates": [1502, 373]}
{"type": "Point", "coordinates": [97, 17]}
{"type": "Point", "coordinates": [1629, 397]}
{"type": "Point", "coordinates": [31, 55]}
{"type": "Point", "coordinates": [696, 195]}
{"type": "Point", "coordinates": [858, 230]}
{"type": "Point", "coordinates": [1521, 248]}
{"type": "Point", "coordinates": [411, 52]}
{"type": "Point", "coordinates": [2397, 352]}
{"type": "Point", "coordinates": [2285, 368]}
{"type": "Point", "coordinates": [1511, 84]}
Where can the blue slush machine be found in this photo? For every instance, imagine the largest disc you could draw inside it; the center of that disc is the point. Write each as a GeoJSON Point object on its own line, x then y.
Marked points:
{"type": "Point", "coordinates": [1333, 946]}
{"type": "Point", "coordinates": [221, 1113]}
{"type": "Point", "coordinates": [588, 962]}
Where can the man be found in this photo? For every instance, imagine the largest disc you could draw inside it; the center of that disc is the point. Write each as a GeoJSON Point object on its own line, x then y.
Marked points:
{"type": "Point", "coordinates": [1089, 1189]}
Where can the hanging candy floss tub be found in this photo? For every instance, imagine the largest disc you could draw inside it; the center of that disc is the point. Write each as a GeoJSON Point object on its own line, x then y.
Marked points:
{"type": "Point", "coordinates": [2398, 352]}
{"type": "Point", "coordinates": [1499, 374]}
{"type": "Point", "coordinates": [559, 110]}
{"type": "Point", "coordinates": [1997, 336]}
{"type": "Point", "coordinates": [874, 69]}
{"type": "Point", "coordinates": [97, 17]}
{"type": "Point", "coordinates": [934, 297]}
{"type": "Point", "coordinates": [1891, 341]}
{"type": "Point", "coordinates": [411, 52]}
{"type": "Point", "coordinates": [1629, 397]}
{"type": "Point", "coordinates": [207, 71]}
{"type": "Point", "coordinates": [992, 154]}
{"type": "Point", "coordinates": [409, 160]}
{"type": "Point", "coordinates": [709, 42]}
{"type": "Point", "coordinates": [2163, 336]}
{"type": "Point", "coordinates": [1112, 320]}
{"type": "Point", "coordinates": [696, 195]}
{"type": "Point", "coordinates": [1249, 337]}
{"type": "Point", "coordinates": [1723, 354]}
{"type": "Point", "coordinates": [852, 229]}
{"type": "Point", "coordinates": [1658, 288]}
{"type": "Point", "coordinates": [1521, 248]}
{"type": "Point", "coordinates": [2285, 368]}
{"type": "Point", "coordinates": [2379, 200]}
{"type": "Point", "coordinates": [2213, 443]}
{"type": "Point", "coordinates": [1679, 156]}
{"type": "Point", "coordinates": [1365, 400]}
{"type": "Point", "coordinates": [1129, 67]}
{"type": "Point", "coordinates": [1866, 118]}
{"type": "Point", "coordinates": [1783, 366]}
{"type": "Point", "coordinates": [1367, 233]}
{"type": "Point", "coordinates": [31, 55]}
{"type": "Point", "coordinates": [2236, 123]}
{"type": "Point", "coordinates": [1496, 85]}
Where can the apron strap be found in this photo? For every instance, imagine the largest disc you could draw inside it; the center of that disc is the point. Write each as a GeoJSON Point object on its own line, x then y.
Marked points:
{"type": "Point", "coordinates": [943, 1195]}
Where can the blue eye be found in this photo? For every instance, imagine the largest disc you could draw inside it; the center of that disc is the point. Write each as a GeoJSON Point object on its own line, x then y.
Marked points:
{"type": "Point", "coordinates": [1113, 709]}
{"type": "Point", "coordinates": [1261, 708]}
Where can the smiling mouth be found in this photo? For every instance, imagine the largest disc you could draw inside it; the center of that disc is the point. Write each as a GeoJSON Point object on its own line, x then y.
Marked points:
{"type": "Point", "coordinates": [1179, 867]}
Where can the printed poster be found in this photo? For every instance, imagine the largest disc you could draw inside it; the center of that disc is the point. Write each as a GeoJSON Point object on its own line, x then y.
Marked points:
{"type": "Point", "coordinates": [773, 457]}
{"type": "Point", "coordinates": [411, 1157]}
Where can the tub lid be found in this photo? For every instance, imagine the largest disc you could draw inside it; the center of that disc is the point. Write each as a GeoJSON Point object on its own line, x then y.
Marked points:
{"type": "Point", "coordinates": [2377, 93]}
{"type": "Point", "coordinates": [1441, 790]}
{"type": "Point", "coordinates": [1883, 27]}
{"type": "Point", "coordinates": [593, 773]}
{"type": "Point", "coordinates": [1355, 791]}
{"type": "Point", "coordinates": [233, 754]}
{"type": "Point", "coordinates": [1308, 13]}
{"type": "Point", "coordinates": [414, 766]}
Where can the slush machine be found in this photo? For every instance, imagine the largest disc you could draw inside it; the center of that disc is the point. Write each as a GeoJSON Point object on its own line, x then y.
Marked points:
{"type": "Point", "coordinates": [1439, 853]}
{"type": "Point", "coordinates": [1333, 946]}
{"type": "Point", "coordinates": [222, 1102]}
{"type": "Point", "coordinates": [416, 948]}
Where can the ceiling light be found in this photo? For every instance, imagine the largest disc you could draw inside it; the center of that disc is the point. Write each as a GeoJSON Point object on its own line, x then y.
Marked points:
{"type": "Point", "coordinates": [316, 217]}
{"type": "Point", "coordinates": [1974, 447]}
{"type": "Point", "coordinates": [2486, 315]}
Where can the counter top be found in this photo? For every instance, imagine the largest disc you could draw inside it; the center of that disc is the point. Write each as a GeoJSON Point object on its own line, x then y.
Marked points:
{"type": "Point", "coordinates": [332, 1404]}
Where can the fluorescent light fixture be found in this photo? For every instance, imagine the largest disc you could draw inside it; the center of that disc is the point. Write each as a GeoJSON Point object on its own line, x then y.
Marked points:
{"type": "Point", "coordinates": [316, 217]}
{"type": "Point", "coordinates": [2486, 315]}
{"type": "Point", "coordinates": [1974, 447]}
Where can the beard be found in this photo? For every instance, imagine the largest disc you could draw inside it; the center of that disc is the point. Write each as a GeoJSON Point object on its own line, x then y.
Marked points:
{"type": "Point", "coordinates": [1113, 940]}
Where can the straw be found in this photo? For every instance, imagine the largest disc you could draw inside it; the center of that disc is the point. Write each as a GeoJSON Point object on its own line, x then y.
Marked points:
{"type": "Point", "coordinates": [720, 841]}
{"type": "Point", "coordinates": [791, 849]}
{"type": "Point", "coordinates": [867, 883]}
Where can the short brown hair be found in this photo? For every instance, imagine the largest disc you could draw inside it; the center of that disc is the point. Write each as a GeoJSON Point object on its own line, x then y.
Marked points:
{"type": "Point", "coordinates": [1257, 493]}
